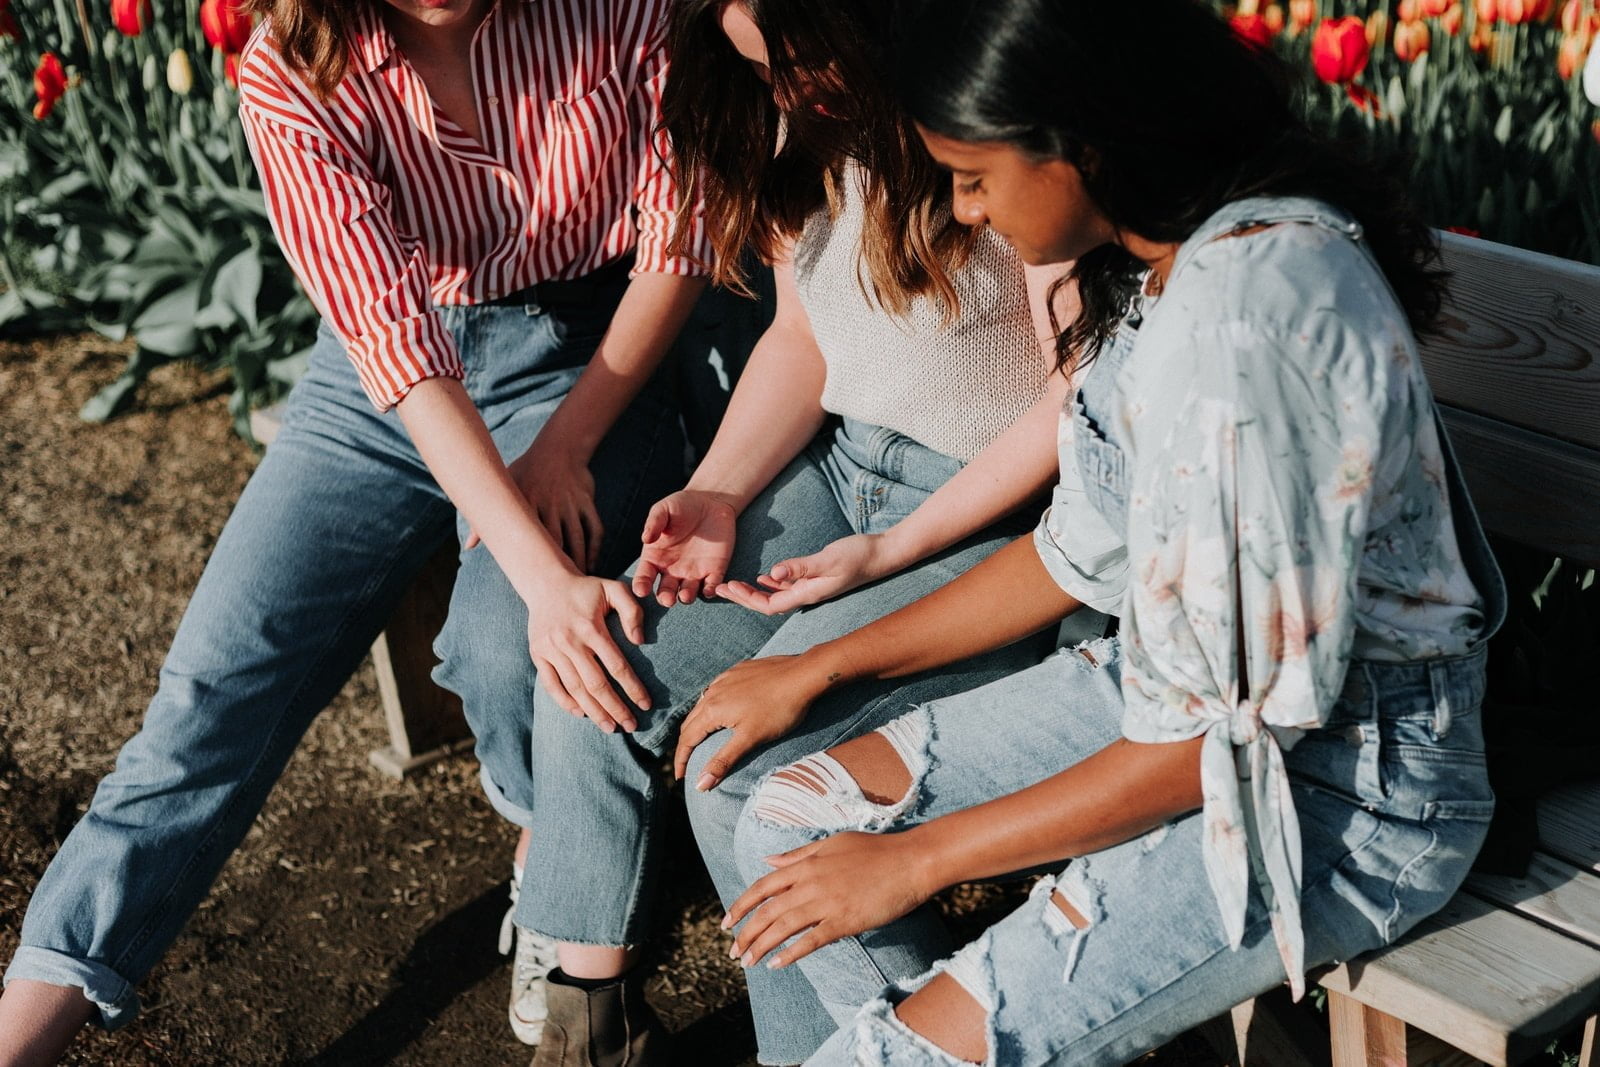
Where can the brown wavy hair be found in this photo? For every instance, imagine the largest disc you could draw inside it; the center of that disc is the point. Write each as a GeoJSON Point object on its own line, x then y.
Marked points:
{"type": "Point", "coordinates": [314, 37]}
{"type": "Point", "coordinates": [764, 157]}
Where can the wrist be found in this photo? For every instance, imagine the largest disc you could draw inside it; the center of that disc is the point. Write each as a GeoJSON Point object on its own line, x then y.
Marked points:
{"type": "Point", "coordinates": [829, 666]}
{"type": "Point", "coordinates": [896, 550]}
{"type": "Point", "coordinates": [926, 865]}
{"type": "Point", "coordinates": [733, 499]}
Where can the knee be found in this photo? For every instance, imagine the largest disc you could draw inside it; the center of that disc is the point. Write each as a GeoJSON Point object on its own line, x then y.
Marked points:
{"type": "Point", "coordinates": [485, 661]}
{"type": "Point", "coordinates": [864, 784]}
{"type": "Point", "coordinates": [713, 812]}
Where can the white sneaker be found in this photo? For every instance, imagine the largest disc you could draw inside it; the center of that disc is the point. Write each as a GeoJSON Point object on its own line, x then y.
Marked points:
{"type": "Point", "coordinates": [535, 957]}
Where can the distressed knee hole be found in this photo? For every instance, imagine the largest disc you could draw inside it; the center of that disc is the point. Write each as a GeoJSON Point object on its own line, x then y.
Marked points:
{"type": "Point", "coordinates": [822, 792]}
{"type": "Point", "coordinates": [1074, 916]}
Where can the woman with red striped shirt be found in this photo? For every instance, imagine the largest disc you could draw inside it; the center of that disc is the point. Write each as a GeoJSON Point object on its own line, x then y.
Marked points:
{"type": "Point", "coordinates": [476, 197]}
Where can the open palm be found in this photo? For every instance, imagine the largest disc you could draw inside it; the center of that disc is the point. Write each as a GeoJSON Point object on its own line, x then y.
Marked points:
{"type": "Point", "coordinates": [687, 543]}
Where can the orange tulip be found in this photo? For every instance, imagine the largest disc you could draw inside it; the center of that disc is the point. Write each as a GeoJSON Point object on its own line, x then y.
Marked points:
{"type": "Point", "coordinates": [1274, 17]}
{"type": "Point", "coordinates": [1569, 61]}
{"type": "Point", "coordinates": [1450, 21]}
{"type": "Point", "coordinates": [1435, 8]}
{"type": "Point", "coordinates": [1339, 51]}
{"type": "Point", "coordinates": [1407, 11]}
{"type": "Point", "coordinates": [230, 68]}
{"type": "Point", "coordinates": [49, 84]}
{"type": "Point", "coordinates": [1377, 28]}
{"type": "Point", "coordinates": [1488, 12]}
{"type": "Point", "coordinates": [1482, 39]}
{"type": "Point", "coordinates": [1411, 39]}
{"type": "Point", "coordinates": [1576, 18]}
{"type": "Point", "coordinates": [1302, 13]}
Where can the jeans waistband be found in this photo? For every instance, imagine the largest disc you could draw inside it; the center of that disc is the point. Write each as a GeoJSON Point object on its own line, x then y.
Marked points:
{"type": "Point", "coordinates": [604, 281]}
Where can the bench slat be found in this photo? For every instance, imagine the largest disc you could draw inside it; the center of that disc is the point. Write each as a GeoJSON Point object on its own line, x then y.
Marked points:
{"type": "Point", "coordinates": [1529, 487]}
{"type": "Point", "coordinates": [1476, 975]}
{"type": "Point", "coordinates": [1569, 825]}
{"type": "Point", "coordinates": [1554, 893]}
{"type": "Point", "coordinates": [1519, 339]}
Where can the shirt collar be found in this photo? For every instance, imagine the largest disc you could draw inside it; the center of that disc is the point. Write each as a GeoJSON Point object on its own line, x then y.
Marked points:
{"type": "Point", "coordinates": [374, 44]}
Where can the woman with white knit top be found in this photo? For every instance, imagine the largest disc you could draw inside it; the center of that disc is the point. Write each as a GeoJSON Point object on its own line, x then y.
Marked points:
{"type": "Point", "coordinates": [896, 414]}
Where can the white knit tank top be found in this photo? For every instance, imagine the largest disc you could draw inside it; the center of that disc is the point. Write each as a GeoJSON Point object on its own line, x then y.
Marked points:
{"type": "Point", "coordinates": [952, 388]}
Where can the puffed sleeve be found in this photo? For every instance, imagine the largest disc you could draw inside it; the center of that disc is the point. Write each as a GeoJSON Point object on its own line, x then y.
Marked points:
{"type": "Point", "coordinates": [1085, 556]}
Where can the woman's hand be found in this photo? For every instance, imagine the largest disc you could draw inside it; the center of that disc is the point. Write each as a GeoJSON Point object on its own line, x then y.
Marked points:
{"type": "Point", "coordinates": [687, 543]}
{"type": "Point", "coordinates": [574, 653]}
{"type": "Point", "coordinates": [760, 700]}
{"type": "Point", "coordinates": [847, 564]}
{"type": "Point", "coordinates": [557, 482]}
{"type": "Point", "coordinates": [840, 886]}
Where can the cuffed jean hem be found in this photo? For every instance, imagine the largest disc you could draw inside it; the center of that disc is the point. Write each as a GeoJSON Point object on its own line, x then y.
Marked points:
{"type": "Point", "coordinates": [111, 993]}
{"type": "Point", "coordinates": [497, 800]}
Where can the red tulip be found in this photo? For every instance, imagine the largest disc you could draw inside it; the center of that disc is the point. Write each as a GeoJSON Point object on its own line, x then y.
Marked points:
{"type": "Point", "coordinates": [49, 83]}
{"type": "Point", "coordinates": [1253, 28]}
{"type": "Point", "coordinates": [130, 16]}
{"type": "Point", "coordinates": [1339, 51]}
{"type": "Point", "coordinates": [226, 24]}
{"type": "Point", "coordinates": [1435, 8]}
{"type": "Point", "coordinates": [1411, 39]}
{"type": "Point", "coordinates": [8, 22]}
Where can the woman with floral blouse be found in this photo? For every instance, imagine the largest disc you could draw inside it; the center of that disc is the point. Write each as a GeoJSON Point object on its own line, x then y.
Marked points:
{"type": "Point", "coordinates": [1278, 763]}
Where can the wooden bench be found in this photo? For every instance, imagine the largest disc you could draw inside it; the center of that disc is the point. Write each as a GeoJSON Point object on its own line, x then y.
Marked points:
{"type": "Point", "coordinates": [1510, 963]}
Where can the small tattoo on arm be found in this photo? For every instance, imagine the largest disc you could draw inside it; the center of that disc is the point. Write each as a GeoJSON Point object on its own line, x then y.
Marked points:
{"type": "Point", "coordinates": [835, 676]}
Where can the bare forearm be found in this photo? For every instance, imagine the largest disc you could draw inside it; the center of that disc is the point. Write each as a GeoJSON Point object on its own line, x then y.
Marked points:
{"type": "Point", "coordinates": [1003, 599]}
{"type": "Point", "coordinates": [774, 412]}
{"type": "Point", "coordinates": [455, 444]}
{"type": "Point", "coordinates": [1113, 796]}
{"type": "Point", "coordinates": [1017, 467]}
{"type": "Point", "coordinates": [649, 317]}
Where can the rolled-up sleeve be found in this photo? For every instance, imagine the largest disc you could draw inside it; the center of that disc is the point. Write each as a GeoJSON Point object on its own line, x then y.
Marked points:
{"type": "Point", "coordinates": [331, 219]}
{"type": "Point", "coordinates": [658, 202]}
{"type": "Point", "coordinates": [1085, 556]}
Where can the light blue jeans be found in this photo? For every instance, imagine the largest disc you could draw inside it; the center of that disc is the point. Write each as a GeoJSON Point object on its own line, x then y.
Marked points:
{"type": "Point", "coordinates": [1393, 802]}
{"type": "Point", "coordinates": [326, 536]}
{"type": "Point", "coordinates": [594, 800]}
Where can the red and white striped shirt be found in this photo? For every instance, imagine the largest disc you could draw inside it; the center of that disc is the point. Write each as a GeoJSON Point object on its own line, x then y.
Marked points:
{"type": "Point", "coordinates": [387, 210]}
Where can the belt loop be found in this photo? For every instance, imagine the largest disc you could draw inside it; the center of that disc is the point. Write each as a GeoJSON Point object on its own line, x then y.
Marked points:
{"type": "Point", "coordinates": [532, 310]}
{"type": "Point", "coordinates": [1439, 686]}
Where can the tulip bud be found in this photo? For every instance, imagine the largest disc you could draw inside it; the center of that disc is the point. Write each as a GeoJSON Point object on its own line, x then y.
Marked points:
{"type": "Point", "coordinates": [130, 16]}
{"type": "Point", "coordinates": [1253, 28]}
{"type": "Point", "coordinates": [49, 84]}
{"type": "Point", "coordinates": [1591, 82]}
{"type": "Point", "coordinates": [1274, 17]}
{"type": "Point", "coordinates": [1411, 40]}
{"type": "Point", "coordinates": [1302, 13]}
{"type": "Point", "coordinates": [180, 74]}
{"type": "Point", "coordinates": [1569, 60]}
{"type": "Point", "coordinates": [1378, 24]}
{"type": "Point", "coordinates": [1451, 20]}
{"type": "Point", "coordinates": [1488, 12]}
{"type": "Point", "coordinates": [1435, 8]}
{"type": "Point", "coordinates": [150, 74]}
{"type": "Point", "coordinates": [1339, 51]}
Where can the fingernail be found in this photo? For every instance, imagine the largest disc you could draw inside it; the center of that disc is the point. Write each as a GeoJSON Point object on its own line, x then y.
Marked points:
{"type": "Point", "coordinates": [706, 782]}
{"type": "Point", "coordinates": [733, 952]}
{"type": "Point", "coordinates": [727, 922]}
{"type": "Point", "coordinates": [773, 965]}
{"type": "Point", "coordinates": [747, 959]}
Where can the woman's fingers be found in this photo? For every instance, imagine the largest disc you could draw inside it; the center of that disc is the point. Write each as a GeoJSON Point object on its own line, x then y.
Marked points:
{"type": "Point", "coordinates": [746, 596]}
{"type": "Point", "coordinates": [695, 729]}
{"type": "Point", "coordinates": [739, 743]}
{"type": "Point", "coordinates": [572, 538]}
{"type": "Point", "coordinates": [617, 666]}
{"type": "Point", "coordinates": [667, 590]}
{"type": "Point", "coordinates": [791, 916]}
{"type": "Point", "coordinates": [688, 591]}
{"type": "Point", "coordinates": [804, 946]}
{"type": "Point", "coordinates": [644, 579]}
{"type": "Point", "coordinates": [630, 613]}
{"type": "Point", "coordinates": [759, 890]}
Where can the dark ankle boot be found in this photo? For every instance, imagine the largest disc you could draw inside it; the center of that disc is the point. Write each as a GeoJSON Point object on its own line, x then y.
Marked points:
{"type": "Point", "coordinates": [611, 1026]}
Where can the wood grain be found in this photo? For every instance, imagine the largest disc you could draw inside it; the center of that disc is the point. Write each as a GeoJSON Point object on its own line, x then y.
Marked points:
{"type": "Point", "coordinates": [1491, 982]}
{"type": "Point", "coordinates": [1553, 893]}
{"type": "Point", "coordinates": [1519, 339]}
{"type": "Point", "coordinates": [1528, 487]}
{"type": "Point", "coordinates": [1363, 1036]}
{"type": "Point", "coordinates": [1569, 824]}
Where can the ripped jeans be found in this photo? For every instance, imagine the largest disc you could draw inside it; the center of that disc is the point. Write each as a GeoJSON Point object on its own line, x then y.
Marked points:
{"type": "Point", "coordinates": [1392, 799]}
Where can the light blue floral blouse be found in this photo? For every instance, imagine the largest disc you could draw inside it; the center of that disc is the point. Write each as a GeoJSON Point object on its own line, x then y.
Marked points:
{"type": "Point", "coordinates": [1278, 490]}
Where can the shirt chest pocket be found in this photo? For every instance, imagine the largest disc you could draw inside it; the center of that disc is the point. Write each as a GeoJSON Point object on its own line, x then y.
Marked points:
{"type": "Point", "coordinates": [1101, 467]}
{"type": "Point", "coordinates": [581, 139]}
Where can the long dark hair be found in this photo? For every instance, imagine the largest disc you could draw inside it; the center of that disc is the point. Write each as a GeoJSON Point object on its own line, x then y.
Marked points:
{"type": "Point", "coordinates": [726, 125]}
{"type": "Point", "coordinates": [1168, 116]}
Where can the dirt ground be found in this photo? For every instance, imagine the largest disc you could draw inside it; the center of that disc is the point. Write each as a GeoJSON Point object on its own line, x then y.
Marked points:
{"type": "Point", "coordinates": [357, 923]}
